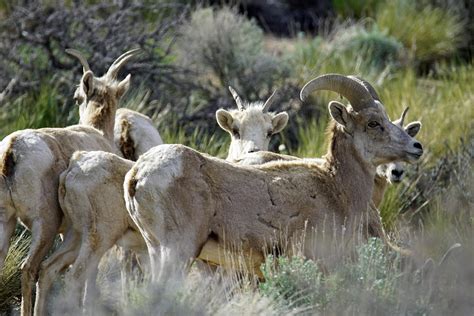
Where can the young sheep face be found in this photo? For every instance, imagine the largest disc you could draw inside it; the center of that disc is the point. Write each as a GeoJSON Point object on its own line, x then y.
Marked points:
{"type": "Point", "coordinates": [96, 94]}
{"type": "Point", "coordinates": [250, 129]}
{"type": "Point", "coordinates": [394, 171]}
{"type": "Point", "coordinates": [377, 140]}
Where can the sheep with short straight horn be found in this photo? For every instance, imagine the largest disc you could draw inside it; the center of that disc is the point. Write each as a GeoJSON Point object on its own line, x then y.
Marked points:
{"type": "Point", "coordinates": [179, 198]}
{"type": "Point", "coordinates": [32, 160]}
{"type": "Point", "coordinates": [251, 126]}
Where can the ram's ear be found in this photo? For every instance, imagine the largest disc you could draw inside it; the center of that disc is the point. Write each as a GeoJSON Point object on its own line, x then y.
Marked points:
{"type": "Point", "coordinates": [225, 120]}
{"type": "Point", "coordinates": [87, 83]}
{"type": "Point", "coordinates": [123, 86]}
{"type": "Point", "coordinates": [413, 128]}
{"type": "Point", "coordinates": [279, 122]}
{"type": "Point", "coordinates": [339, 113]}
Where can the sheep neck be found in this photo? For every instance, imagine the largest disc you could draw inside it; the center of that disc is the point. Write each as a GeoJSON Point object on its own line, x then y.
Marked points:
{"type": "Point", "coordinates": [102, 119]}
{"type": "Point", "coordinates": [353, 175]}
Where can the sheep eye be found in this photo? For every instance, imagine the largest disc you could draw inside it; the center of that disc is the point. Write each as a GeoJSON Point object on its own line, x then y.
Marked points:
{"type": "Point", "coordinates": [236, 133]}
{"type": "Point", "coordinates": [373, 124]}
{"type": "Point", "coordinates": [269, 134]}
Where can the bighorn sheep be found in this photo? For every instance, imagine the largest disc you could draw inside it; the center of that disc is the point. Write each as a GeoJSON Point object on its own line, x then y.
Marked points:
{"type": "Point", "coordinates": [179, 198]}
{"type": "Point", "coordinates": [386, 174]}
{"type": "Point", "coordinates": [250, 126]}
{"type": "Point", "coordinates": [392, 172]}
{"type": "Point", "coordinates": [98, 223]}
{"type": "Point", "coordinates": [32, 160]}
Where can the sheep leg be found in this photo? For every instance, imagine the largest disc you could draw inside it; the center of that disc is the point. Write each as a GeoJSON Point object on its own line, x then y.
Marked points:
{"type": "Point", "coordinates": [6, 231]}
{"type": "Point", "coordinates": [84, 269]}
{"type": "Point", "coordinates": [90, 290]}
{"type": "Point", "coordinates": [180, 253]}
{"type": "Point", "coordinates": [50, 269]}
{"type": "Point", "coordinates": [42, 241]}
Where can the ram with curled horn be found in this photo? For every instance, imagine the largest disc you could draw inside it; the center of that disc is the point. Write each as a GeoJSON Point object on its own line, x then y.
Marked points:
{"type": "Point", "coordinates": [250, 207]}
{"type": "Point", "coordinates": [251, 126]}
{"type": "Point", "coordinates": [32, 160]}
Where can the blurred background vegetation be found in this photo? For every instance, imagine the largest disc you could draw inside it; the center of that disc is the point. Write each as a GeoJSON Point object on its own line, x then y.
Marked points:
{"type": "Point", "coordinates": [416, 53]}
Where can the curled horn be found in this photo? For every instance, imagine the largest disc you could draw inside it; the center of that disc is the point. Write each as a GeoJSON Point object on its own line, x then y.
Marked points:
{"type": "Point", "coordinates": [238, 100]}
{"type": "Point", "coordinates": [269, 102]}
{"type": "Point", "coordinates": [368, 86]}
{"type": "Point", "coordinates": [119, 62]}
{"type": "Point", "coordinates": [350, 88]}
{"type": "Point", "coordinates": [82, 59]}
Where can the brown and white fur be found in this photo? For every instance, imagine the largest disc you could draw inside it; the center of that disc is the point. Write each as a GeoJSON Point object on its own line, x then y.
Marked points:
{"type": "Point", "coordinates": [32, 160]}
{"type": "Point", "coordinates": [98, 223]}
{"type": "Point", "coordinates": [386, 174]}
{"type": "Point", "coordinates": [134, 133]}
{"type": "Point", "coordinates": [179, 198]}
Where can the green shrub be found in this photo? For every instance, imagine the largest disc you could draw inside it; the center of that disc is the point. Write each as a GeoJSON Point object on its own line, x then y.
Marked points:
{"type": "Point", "coordinates": [296, 280]}
{"type": "Point", "coordinates": [427, 32]}
{"type": "Point", "coordinates": [225, 48]}
{"type": "Point", "coordinates": [373, 47]}
{"type": "Point", "coordinates": [351, 49]}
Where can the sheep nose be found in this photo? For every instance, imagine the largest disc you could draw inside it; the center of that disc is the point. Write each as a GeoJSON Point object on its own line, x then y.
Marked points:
{"type": "Point", "coordinates": [397, 173]}
{"type": "Point", "coordinates": [418, 145]}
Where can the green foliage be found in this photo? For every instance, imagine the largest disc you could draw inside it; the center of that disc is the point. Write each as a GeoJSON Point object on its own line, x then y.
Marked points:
{"type": "Point", "coordinates": [374, 48]}
{"type": "Point", "coordinates": [356, 8]}
{"type": "Point", "coordinates": [297, 281]}
{"type": "Point", "coordinates": [213, 144]}
{"type": "Point", "coordinates": [373, 272]}
{"type": "Point", "coordinates": [225, 48]}
{"type": "Point", "coordinates": [311, 138]}
{"type": "Point", "coordinates": [427, 32]}
{"type": "Point", "coordinates": [371, 281]}
{"type": "Point", "coordinates": [36, 110]}
{"type": "Point", "coordinates": [10, 276]}
{"type": "Point", "coordinates": [391, 206]}
{"type": "Point", "coordinates": [355, 49]}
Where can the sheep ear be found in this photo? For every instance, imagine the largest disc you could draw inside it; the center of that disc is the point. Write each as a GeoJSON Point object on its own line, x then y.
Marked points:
{"type": "Point", "coordinates": [225, 120]}
{"type": "Point", "coordinates": [413, 128]}
{"type": "Point", "coordinates": [279, 122]}
{"type": "Point", "coordinates": [87, 83]}
{"type": "Point", "coordinates": [123, 86]}
{"type": "Point", "coordinates": [339, 113]}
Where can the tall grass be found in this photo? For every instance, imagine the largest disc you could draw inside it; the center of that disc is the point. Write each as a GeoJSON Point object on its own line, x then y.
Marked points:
{"type": "Point", "coordinates": [427, 32]}
{"type": "Point", "coordinates": [36, 110]}
{"type": "Point", "coordinates": [10, 276]}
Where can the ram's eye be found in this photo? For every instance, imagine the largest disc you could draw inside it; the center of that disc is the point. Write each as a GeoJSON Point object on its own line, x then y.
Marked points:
{"type": "Point", "coordinates": [373, 124]}
{"type": "Point", "coordinates": [269, 134]}
{"type": "Point", "coordinates": [236, 133]}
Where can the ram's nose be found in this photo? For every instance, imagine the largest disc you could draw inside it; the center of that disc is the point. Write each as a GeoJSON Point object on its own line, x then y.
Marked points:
{"type": "Point", "coordinates": [396, 175]}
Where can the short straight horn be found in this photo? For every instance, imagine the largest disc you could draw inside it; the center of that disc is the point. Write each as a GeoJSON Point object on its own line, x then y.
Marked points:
{"type": "Point", "coordinates": [237, 99]}
{"type": "Point", "coordinates": [82, 59]}
{"type": "Point", "coordinates": [400, 121]}
{"type": "Point", "coordinates": [269, 102]}
{"type": "Point", "coordinates": [350, 88]}
{"type": "Point", "coordinates": [119, 62]}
